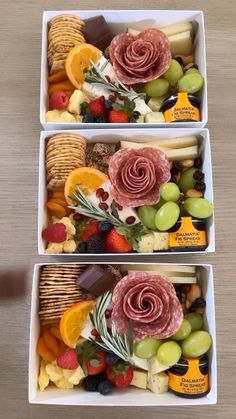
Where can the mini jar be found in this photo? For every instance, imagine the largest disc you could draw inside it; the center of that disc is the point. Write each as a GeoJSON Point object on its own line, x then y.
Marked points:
{"type": "Point", "coordinates": [181, 107]}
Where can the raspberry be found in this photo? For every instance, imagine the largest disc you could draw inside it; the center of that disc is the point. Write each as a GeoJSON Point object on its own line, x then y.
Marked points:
{"type": "Point", "coordinates": [58, 100]}
{"type": "Point", "coordinates": [55, 233]}
{"type": "Point", "coordinates": [68, 360]}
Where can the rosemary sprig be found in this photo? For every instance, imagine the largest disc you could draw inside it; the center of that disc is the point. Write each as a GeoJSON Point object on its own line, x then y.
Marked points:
{"type": "Point", "coordinates": [95, 75]}
{"type": "Point", "coordinates": [120, 344]}
{"type": "Point", "coordinates": [87, 208]}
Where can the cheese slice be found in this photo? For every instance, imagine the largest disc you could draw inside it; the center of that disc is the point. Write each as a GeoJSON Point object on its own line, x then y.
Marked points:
{"type": "Point", "coordinates": [178, 142]}
{"type": "Point", "coordinates": [160, 268]}
{"type": "Point", "coordinates": [172, 154]}
{"type": "Point", "coordinates": [133, 31]}
{"type": "Point", "coordinates": [181, 43]}
{"type": "Point", "coordinates": [158, 383]}
{"type": "Point", "coordinates": [176, 28]}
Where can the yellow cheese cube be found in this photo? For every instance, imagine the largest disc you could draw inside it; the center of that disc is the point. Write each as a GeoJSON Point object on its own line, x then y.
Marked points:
{"type": "Point", "coordinates": [139, 379]}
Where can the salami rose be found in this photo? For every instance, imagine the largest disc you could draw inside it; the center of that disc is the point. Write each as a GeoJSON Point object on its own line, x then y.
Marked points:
{"type": "Point", "coordinates": [148, 303]}
{"type": "Point", "coordinates": [141, 58]}
{"type": "Point", "coordinates": [137, 175]}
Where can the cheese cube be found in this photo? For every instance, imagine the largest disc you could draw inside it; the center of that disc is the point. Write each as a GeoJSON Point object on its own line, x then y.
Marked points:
{"type": "Point", "coordinates": [160, 240]}
{"type": "Point", "coordinates": [146, 243]}
{"type": "Point", "coordinates": [158, 383]}
{"type": "Point", "coordinates": [154, 117]}
{"type": "Point", "coordinates": [76, 99]}
{"type": "Point", "coordinates": [155, 366]}
{"type": "Point", "coordinates": [155, 103]}
{"type": "Point", "coordinates": [181, 43]}
{"type": "Point", "coordinates": [139, 379]}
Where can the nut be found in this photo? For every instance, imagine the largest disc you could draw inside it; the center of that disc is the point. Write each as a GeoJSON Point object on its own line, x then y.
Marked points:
{"type": "Point", "coordinates": [194, 293]}
{"type": "Point", "coordinates": [193, 193]}
{"type": "Point", "coordinates": [187, 163]}
{"type": "Point", "coordinates": [170, 164]}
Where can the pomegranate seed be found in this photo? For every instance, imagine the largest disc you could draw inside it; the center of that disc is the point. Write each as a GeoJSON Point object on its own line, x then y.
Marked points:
{"type": "Point", "coordinates": [118, 206]}
{"type": "Point", "coordinates": [112, 98]}
{"type": "Point", "coordinates": [103, 206]}
{"type": "Point", "coordinates": [108, 78]}
{"type": "Point", "coordinates": [95, 333]}
{"type": "Point", "coordinates": [108, 314]}
{"type": "Point", "coordinates": [99, 192]}
{"type": "Point", "coordinates": [77, 216]}
{"type": "Point", "coordinates": [130, 220]}
{"type": "Point", "coordinates": [105, 196]}
{"type": "Point", "coordinates": [186, 288]}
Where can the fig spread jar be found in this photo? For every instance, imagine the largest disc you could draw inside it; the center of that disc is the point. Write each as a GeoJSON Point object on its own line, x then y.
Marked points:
{"type": "Point", "coordinates": [189, 378]}
{"type": "Point", "coordinates": [182, 107]}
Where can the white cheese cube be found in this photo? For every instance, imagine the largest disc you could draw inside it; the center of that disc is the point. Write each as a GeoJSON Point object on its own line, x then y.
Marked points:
{"type": "Point", "coordinates": [146, 243]}
{"type": "Point", "coordinates": [76, 99]}
{"type": "Point", "coordinates": [181, 43]}
{"type": "Point", "coordinates": [154, 117]}
{"type": "Point", "coordinates": [158, 383]}
{"type": "Point", "coordinates": [155, 366]}
{"type": "Point", "coordinates": [140, 119]}
{"type": "Point", "coordinates": [139, 379]}
{"type": "Point", "coordinates": [155, 103]}
{"type": "Point", "coordinates": [160, 240]}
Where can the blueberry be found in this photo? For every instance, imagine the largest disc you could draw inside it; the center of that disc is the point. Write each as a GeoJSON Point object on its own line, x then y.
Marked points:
{"type": "Point", "coordinates": [108, 104]}
{"type": "Point", "coordinates": [105, 226]}
{"type": "Point", "coordinates": [111, 358]}
{"type": "Point", "coordinates": [82, 247]}
{"type": "Point", "coordinates": [88, 118]}
{"type": "Point", "coordinates": [105, 387]}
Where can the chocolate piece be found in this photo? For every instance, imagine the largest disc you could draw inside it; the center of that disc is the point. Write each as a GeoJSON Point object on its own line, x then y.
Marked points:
{"type": "Point", "coordinates": [97, 32]}
{"type": "Point", "coordinates": [95, 280]}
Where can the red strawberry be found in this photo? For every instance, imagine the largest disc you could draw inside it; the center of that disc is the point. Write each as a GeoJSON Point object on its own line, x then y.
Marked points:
{"type": "Point", "coordinates": [120, 374]}
{"type": "Point", "coordinates": [97, 106]}
{"type": "Point", "coordinates": [58, 100]}
{"type": "Point", "coordinates": [118, 116]}
{"type": "Point", "coordinates": [91, 229]}
{"type": "Point", "coordinates": [116, 242]}
{"type": "Point", "coordinates": [92, 359]}
{"type": "Point", "coordinates": [55, 233]}
{"type": "Point", "coordinates": [68, 360]}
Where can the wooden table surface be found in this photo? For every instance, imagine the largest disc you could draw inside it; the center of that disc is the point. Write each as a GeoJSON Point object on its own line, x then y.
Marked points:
{"type": "Point", "coordinates": [20, 44]}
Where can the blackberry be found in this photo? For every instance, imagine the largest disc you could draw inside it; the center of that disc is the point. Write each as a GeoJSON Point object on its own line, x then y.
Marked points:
{"type": "Point", "coordinates": [105, 226]}
{"type": "Point", "coordinates": [82, 247]}
{"type": "Point", "coordinates": [95, 244]}
{"type": "Point", "coordinates": [111, 358]}
{"type": "Point", "coordinates": [91, 382]}
{"type": "Point", "coordinates": [108, 104]}
{"type": "Point", "coordinates": [105, 387]}
{"type": "Point", "coordinates": [88, 118]}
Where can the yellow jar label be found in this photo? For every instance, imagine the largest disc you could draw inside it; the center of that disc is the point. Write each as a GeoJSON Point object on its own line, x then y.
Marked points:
{"type": "Point", "coordinates": [183, 109]}
{"type": "Point", "coordinates": [193, 382]}
{"type": "Point", "coordinates": [187, 235]}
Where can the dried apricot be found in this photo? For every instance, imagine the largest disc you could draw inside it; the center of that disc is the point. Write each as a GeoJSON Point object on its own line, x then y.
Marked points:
{"type": "Point", "coordinates": [55, 331]}
{"type": "Point", "coordinates": [58, 210]}
{"type": "Point", "coordinates": [43, 350]}
{"type": "Point", "coordinates": [51, 342]}
{"type": "Point", "coordinates": [63, 85]}
{"type": "Point", "coordinates": [58, 194]}
{"type": "Point", "coordinates": [59, 201]}
{"type": "Point", "coordinates": [57, 77]}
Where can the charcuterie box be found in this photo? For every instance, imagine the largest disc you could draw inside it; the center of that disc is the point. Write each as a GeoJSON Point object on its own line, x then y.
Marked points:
{"type": "Point", "coordinates": [131, 22]}
{"type": "Point", "coordinates": [131, 395]}
{"type": "Point", "coordinates": [133, 139]}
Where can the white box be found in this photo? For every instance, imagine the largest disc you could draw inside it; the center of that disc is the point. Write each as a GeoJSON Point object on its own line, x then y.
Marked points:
{"type": "Point", "coordinates": [137, 135]}
{"type": "Point", "coordinates": [119, 20]}
{"type": "Point", "coordinates": [130, 396]}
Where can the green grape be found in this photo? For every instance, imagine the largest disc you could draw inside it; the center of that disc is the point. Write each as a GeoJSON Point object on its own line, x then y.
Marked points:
{"type": "Point", "coordinates": [156, 88]}
{"type": "Point", "coordinates": [195, 319]}
{"type": "Point", "coordinates": [190, 83]}
{"type": "Point", "coordinates": [147, 348]}
{"type": "Point", "coordinates": [147, 215]}
{"type": "Point", "coordinates": [184, 331]}
{"type": "Point", "coordinates": [191, 71]}
{"type": "Point", "coordinates": [170, 191]}
{"type": "Point", "coordinates": [198, 207]}
{"type": "Point", "coordinates": [159, 204]}
{"type": "Point", "coordinates": [187, 180]}
{"type": "Point", "coordinates": [196, 344]}
{"type": "Point", "coordinates": [167, 216]}
{"type": "Point", "coordinates": [174, 72]}
{"type": "Point", "coordinates": [169, 353]}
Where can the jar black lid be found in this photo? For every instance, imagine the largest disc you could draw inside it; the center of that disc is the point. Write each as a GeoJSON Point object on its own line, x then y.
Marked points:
{"type": "Point", "coordinates": [171, 100]}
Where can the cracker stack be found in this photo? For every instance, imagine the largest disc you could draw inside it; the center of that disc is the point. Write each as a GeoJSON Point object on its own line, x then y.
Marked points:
{"type": "Point", "coordinates": [64, 153]}
{"type": "Point", "coordinates": [64, 33]}
{"type": "Point", "coordinates": [58, 290]}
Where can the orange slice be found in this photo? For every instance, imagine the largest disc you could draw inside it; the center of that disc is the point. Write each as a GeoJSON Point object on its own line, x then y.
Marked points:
{"type": "Point", "coordinates": [73, 322]}
{"type": "Point", "coordinates": [88, 178]}
{"type": "Point", "coordinates": [80, 59]}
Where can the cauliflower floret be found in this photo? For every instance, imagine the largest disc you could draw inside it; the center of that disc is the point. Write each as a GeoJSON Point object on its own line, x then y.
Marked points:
{"type": "Point", "coordinates": [76, 99]}
{"type": "Point", "coordinates": [69, 246]}
{"type": "Point", "coordinates": [70, 229]}
{"type": "Point", "coordinates": [59, 116]}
